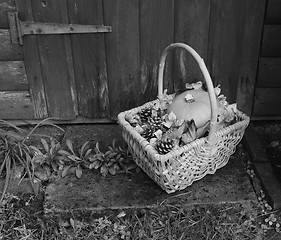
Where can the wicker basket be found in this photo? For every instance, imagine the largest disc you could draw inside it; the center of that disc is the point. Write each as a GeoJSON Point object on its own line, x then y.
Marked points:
{"type": "Point", "coordinates": [181, 167]}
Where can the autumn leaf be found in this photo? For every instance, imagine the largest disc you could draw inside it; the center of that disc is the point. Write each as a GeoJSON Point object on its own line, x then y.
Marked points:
{"type": "Point", "coordinates": [170, 120]}
{"type": "Point", "coordinates": [197, 85]}
{"type": "Point", "coordinates": [190, 134]}
{"type": "Point", "coordinates": [165, 99]}
{"type": "Point", "coordinates": [121, 214]}
{"type": "Point", "coordinates": [175, 133]}
{"type": "Point", "coordinates": [201, 131]}
{"type": "Point", "coordinates": [73, 223]}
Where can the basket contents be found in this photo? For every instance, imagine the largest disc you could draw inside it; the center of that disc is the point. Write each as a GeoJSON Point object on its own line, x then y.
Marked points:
{"type": "Point", "coordinates": [175, 121]}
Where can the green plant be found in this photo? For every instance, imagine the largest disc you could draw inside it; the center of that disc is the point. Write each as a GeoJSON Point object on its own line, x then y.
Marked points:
{"type": "Point", "coordinates": [16, 153]}
{"type": "Point", "coordinates": [124, 158]}
{"type": "Point", "coordinates": [45, 162]}
{"type": "Point", "coordinates": [13, 151]}
{"type": "Point", "coordinates": [112, 161]}
{"type": "Point", "coordinates": [106, 162]}
{"type": "Point", "coordinates": [72, 160]}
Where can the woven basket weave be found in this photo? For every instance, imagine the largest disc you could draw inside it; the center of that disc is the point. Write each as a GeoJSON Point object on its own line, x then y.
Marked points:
{"type": "Point", "coordinates": [182, 166]}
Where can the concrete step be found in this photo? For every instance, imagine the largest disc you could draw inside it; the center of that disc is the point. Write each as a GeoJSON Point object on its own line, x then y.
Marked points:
{"type": "Point", "coordinates": [94, 192]}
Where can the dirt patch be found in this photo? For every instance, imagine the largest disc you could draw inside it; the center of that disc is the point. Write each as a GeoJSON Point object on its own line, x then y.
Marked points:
{"type": "Point", "coordinates": [102, 133]}
{"type": "Point", "coordinates": [44, 132]}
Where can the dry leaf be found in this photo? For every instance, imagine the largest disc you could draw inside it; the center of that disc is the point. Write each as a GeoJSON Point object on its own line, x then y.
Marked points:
{"type": "Point", "coordinates": [176, 133]}
{"type": "Point", "coordinates": [165, 99]}
{"type": "Point", "coordinates": [170, 120]}
{"type": "Point", "coordinates": [189, 98]}
{"type": "Point", "coordinates": [197, 85]}
{"type": "Point", "coordinates": [158, 134]}
{"type": "Point", "coordinates": [190, 134]}
{"type": "Point", "coordinates": [121, 214]}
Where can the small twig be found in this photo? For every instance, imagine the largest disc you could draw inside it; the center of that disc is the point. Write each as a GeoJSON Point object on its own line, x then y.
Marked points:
{"type": "Point", "coordinates": [268, 213]}
{"type": "Point", "coordinates": [138, 220]}
{"type": "Point", "coordinates": [228, 224]}
{"type": "Point", "coordinates": [7, 161]}
{"type": "Point", "coordinates": [181, 237]}
{"type": "Point", "coordinates": [224, 210]}
{"type": "Point", "coordinates": [194, 223]}
{"type": "Point", "coordinates": [214, 235]}
{"type": "Point", "coordinates": [178, 195]}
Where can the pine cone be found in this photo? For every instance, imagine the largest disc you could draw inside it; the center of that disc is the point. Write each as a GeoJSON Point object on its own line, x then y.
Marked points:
{"type": "Point", "coordinates": [148, 133]}
{"type": "Point", "coordinates": [160, 112]}
{"type": "Point", "coordinates": [155, 122]}
{"type": "Point", "coordinates": [145, 114]}
{"type": "Point", "coordinates": [165, 146]}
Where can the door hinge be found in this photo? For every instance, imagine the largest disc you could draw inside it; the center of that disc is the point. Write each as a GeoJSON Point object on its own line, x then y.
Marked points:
{"type": "Point", "coordinates": [18, 28]}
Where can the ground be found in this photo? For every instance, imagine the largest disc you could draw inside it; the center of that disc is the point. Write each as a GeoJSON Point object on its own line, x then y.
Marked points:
{"type": "Point", "coordinates": [226, 205]}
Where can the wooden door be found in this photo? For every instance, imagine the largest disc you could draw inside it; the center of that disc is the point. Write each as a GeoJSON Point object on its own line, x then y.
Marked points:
{"type": "Point", "coordinates": [66, 72]}
{"type": "Point", "coordinates": [49, 64]}
{"type": "Point", "coordinates": [15, 97]}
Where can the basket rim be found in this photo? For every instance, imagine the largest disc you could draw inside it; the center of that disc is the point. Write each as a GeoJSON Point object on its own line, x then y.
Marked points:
{"type": "Point", "coordinates": [151, 151]}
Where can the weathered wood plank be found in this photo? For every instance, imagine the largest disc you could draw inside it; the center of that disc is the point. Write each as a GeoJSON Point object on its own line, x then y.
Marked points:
{"type": "Point", "coordinates": [227, 23]}
{"type": "Point", "coordinates": [267, 102]}
{"type": "Point", "coordinates": [8, 51]}
{"type": "Point", "coordinates": [122, 51]}
{"type": "Point", "coordinates": [269, 72]}
{"type": "Point", "coordinates": [12, 76]}
{"type": "Point", "coordinates": [16, 105]}
{"type": "Point", "coordinates": [271, 46]}
{"type": "Point", "coordinates": [6, 6]}
{"type": "Point", "coordinates": [191, 27]}
{"type": "Point", "coordinates": [33, 64]}
{"type": "Point", "coordinates": [40, 28]}
{"type": "Point", "coordinates": [156, 33]}
{"type": "Point", "coordinates": [250, 54]}
{"type": "Point", "coordinates": [56, 61]}
{"type": "Point", "coordinates": [273, 12]}
{"type": "Point", "coordinates": [89, 60]}
{"type": "Point", "coordinates": [78, 120]}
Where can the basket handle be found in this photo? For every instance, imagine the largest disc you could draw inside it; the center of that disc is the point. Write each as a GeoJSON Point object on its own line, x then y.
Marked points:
{"type": "Point", "coordinates": [207, 78]}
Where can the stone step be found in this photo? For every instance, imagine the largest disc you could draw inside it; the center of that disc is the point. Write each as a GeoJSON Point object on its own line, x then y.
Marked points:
{"type": "Point", "coordinates": [92, 191]}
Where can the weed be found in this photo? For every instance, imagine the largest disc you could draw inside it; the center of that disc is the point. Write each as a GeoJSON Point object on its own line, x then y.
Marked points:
{"type": "Point", "coordinates": [210, 221]}
{"type": "Point", "coordinates": [115, 160]}
{"type": "Point", "coordinates": [16, 154]}
{"type": "Point", "coordinates": [45, 162]}
{"type": "Point", "coordinates": [74, 160]}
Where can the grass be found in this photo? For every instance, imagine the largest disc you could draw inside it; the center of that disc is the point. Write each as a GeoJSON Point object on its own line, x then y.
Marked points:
{"type": "Point", "coordinates": [23, 218]}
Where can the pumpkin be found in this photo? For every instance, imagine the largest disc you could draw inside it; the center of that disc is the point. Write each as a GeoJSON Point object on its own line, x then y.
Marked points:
{"type": "Point", "coordinates": [192, 104]}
